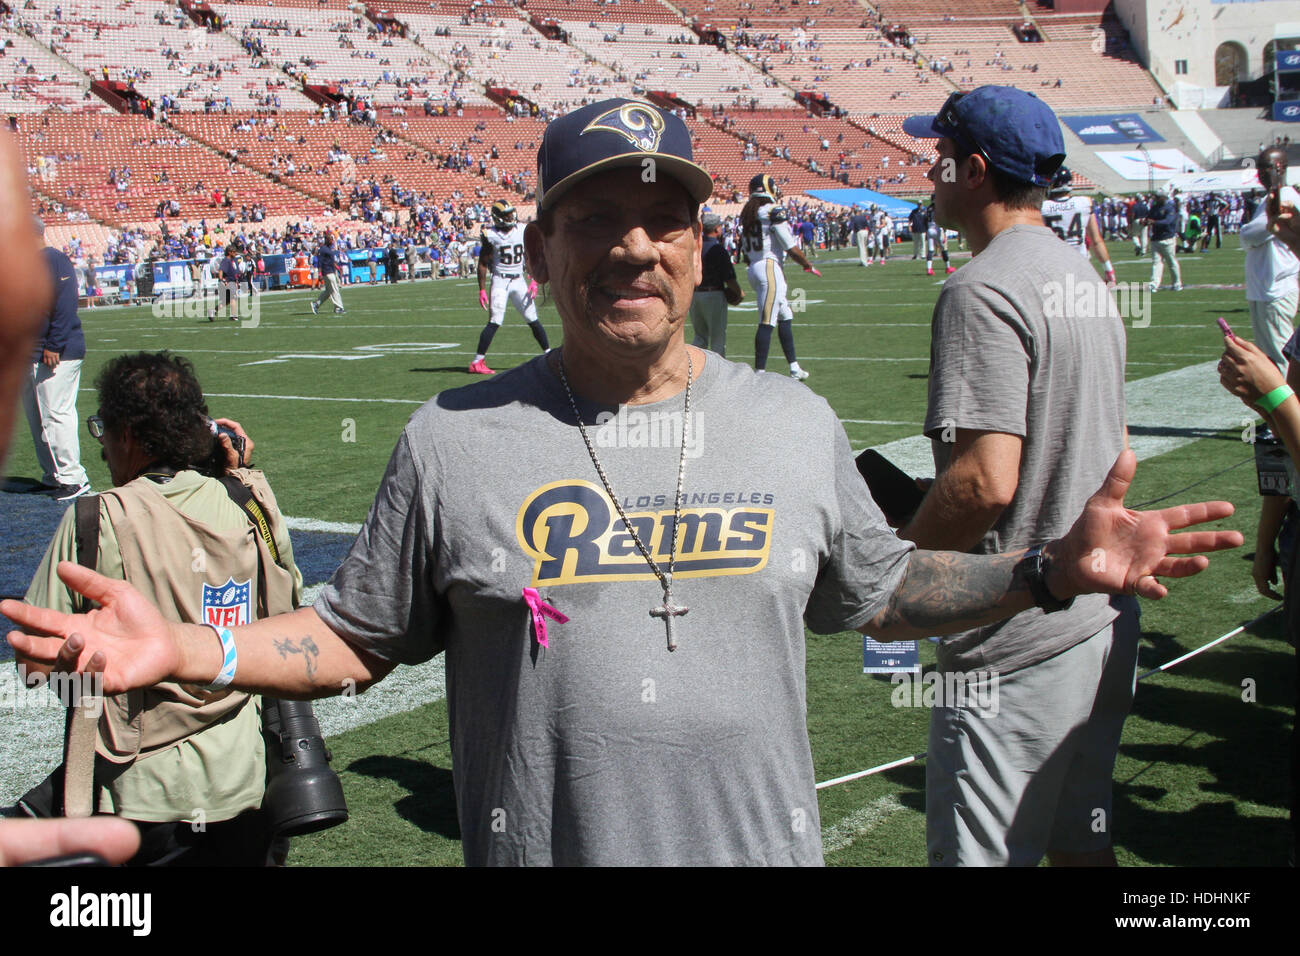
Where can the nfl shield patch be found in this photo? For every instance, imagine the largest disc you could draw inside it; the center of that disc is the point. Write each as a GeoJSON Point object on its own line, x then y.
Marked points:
{"type": "Point", "coordinates": [229, 604]}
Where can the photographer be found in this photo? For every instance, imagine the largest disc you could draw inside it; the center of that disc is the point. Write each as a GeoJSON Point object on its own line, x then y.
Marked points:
{"type": "Point", "coordinates": [187, 765]}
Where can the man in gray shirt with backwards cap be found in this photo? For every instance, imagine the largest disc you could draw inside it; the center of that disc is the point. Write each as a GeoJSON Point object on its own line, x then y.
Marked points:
{"type": "Point", "coordinates": [1026, 410]}
{"type": "Point", "coordinates": [548, 530]}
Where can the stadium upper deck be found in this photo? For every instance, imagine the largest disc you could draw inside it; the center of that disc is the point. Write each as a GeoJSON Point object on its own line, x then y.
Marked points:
{"type": "Point", "coordinates": [157, 50]}
{"type": "Point", "coordinates": [408, 58]}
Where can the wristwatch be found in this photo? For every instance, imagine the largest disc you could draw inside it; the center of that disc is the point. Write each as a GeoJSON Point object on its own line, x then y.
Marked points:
{"type": "Point", "coordinates": [1033, 569]}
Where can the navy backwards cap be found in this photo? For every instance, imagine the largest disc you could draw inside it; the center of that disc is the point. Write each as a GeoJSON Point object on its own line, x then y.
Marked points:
{"type": "Point", "coordinates": [612, 134]}
{"type": "Point", "coordinates": [1014, 130]}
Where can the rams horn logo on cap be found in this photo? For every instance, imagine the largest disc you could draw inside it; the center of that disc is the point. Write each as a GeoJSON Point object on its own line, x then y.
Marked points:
{"type": "Point", "coordinates": [638, 123]}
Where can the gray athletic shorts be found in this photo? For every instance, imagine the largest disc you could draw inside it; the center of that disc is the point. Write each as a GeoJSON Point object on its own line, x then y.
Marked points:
{"type": "Point", "coordinates": [1033, 773]}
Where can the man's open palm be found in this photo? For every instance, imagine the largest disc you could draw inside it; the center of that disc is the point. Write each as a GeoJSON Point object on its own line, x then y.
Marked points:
{"type": "Point", "coordinates": [1111, 549]}
{"type": "Point", "coordinates": [137, 644]}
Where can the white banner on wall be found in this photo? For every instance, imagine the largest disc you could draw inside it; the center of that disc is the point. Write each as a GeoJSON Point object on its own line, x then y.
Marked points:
{"type": "Point", "coordinates": [1158, 163]}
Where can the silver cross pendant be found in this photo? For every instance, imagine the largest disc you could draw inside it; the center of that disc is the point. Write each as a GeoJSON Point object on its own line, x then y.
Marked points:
{"type": "Point", "coordinates": [668, 611]}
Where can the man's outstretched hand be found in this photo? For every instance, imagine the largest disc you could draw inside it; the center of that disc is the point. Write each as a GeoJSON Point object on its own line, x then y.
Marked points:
{"type": "Point", "coordinates": [125, 636]}
{"type": "Point", "coordinates": [1112, 550]}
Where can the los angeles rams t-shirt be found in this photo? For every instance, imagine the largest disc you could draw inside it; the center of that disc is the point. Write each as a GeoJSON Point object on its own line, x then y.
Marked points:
{"type": "Point", "coordinates": [602, 747]}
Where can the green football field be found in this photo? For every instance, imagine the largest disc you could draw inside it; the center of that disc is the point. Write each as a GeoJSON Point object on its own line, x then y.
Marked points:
{"type": "Point", "coordinates": [1202, 773]}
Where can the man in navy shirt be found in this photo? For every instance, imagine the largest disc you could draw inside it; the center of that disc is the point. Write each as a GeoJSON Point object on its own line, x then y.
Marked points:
{"type": "Point", "coordinates": [808, 235]}
{"type": "Point", "coordinates": [718, 288]}
{"type": "Point", "coordinates": [1163, 220]}
{"type": "Point", "coordinates": [50, 395]}
{"type": "Point", "coordinates": [919, 224]}
{"type": "Point", "coordinates": [861, 233]}
{"type": "Point", "coordinates": [329, 273]}
{"type": "Point", "coordinates": [228, 291]}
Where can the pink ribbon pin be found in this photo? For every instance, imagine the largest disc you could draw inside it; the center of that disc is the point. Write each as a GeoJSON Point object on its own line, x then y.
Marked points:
{"type": "Point", "coordinates": [541, 611]}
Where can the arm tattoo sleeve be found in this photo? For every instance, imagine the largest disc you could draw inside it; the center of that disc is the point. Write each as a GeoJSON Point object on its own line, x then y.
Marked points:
{"type": "Point", "coordinates": [946, 591]}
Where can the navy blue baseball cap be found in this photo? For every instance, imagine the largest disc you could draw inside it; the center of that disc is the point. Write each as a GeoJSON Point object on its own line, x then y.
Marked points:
{"type": "Point", "coordinates": [1015, 131]}
{"type": "Point", "coordinates": [613, 134]}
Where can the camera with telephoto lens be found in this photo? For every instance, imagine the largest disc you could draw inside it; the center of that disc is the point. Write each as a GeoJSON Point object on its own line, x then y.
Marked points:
{"type": "Point", "coordinates": [303, 794]}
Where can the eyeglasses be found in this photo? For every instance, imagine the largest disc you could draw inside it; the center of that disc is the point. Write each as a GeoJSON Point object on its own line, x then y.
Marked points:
{"type": "Point", "coordinates": [95, 425]}
{"type": "Point", "coordinates": [948, 117]}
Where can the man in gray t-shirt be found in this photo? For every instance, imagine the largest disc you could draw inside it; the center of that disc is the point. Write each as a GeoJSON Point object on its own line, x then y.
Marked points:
{"type": "Point", "coordinates": [1026, 406]}
{"type": "Point", "coordinates": [548, 531]}
{"type": "Point", "coordinates": [602, 747]}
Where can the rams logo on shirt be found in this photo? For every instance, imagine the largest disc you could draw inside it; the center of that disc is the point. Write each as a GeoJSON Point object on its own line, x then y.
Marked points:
{"type": "Point", "coordinates": [574, 534]}
{"type": "Point", "coordinates": [639, 124]}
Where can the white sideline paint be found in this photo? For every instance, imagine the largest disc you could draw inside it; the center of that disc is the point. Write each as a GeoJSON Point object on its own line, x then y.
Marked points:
{"type": "Point", "coordinates": [859, 823]}
{"type": "Point", "coordinates": [1187, 402]}
{"type": "Point", "coordinates": [328, 527]}
{"type": "Point", "coordinates": [873, 421]}
{"type": "Point", "coordinates": [314, 398]}
{"type": "Point", "coordinates": [404, 689]}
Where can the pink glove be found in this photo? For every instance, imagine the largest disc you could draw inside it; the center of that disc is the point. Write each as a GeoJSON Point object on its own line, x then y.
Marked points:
{"type": "Point", "coordinates": [1110, 277]}
{"type": "Point", "coordinates": [532, 288]}
{"type": "Point", "coordinates": [813, 270]}
{"type": "Point", "coordinates": [483, 298]}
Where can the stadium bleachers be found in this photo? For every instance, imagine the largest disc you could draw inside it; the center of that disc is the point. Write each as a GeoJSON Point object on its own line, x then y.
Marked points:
{"type": "Point", "coordinates": [508, 53]}
{"type": "Point", "coordinates": [358, 160]}
{"type": "Point", "coordinates": [781, 15]}
{"type": "Point", "coordinates": [156, 49]}
{"type": "Point", "coordinates": [615, 11]}
{"type": "Point", "coordinates": [700, 74]}
{"type": "Point", "coordinates": [857, 70]}
{"type": "Point", "coordinates": [34, 79]}
{"type": "Point", "coordinates": [1066, 74]}
{"type": "Point", "coordinates": [78, 152]}
{"type": "Point", "coordinates": [868, 160]}
{"type": "Point", "coordinates": [428, 57]}
{"type": "Point", "coordinates": [334, 45]}
{"type": "Point", "coordinates": [911, 13]}
{"type": "Point", "coordinates": [479, 130]}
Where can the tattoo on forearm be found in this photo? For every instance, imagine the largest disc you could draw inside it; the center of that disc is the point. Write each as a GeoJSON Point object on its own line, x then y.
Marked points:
{"type": "Point", "coordinates": [947, 591]}
{"type": "Point", "coordinates": [307, 648]}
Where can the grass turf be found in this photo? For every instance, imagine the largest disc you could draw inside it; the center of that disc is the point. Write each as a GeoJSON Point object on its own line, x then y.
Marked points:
{"type": "Point", "coordinates": [1201, 775]}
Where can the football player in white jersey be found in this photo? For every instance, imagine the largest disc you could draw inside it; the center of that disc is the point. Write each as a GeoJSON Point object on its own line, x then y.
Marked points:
{"type": "Point", "coordinates": [936, 237]}
{"type": "Point", "coordinates": [884, 236]}
{"type": "Point", "coordinates": [1072, 218]}
{"type": "Point", "coordinates": [767, 240]}
{"type": "Point", "coordinates": [502, 257]}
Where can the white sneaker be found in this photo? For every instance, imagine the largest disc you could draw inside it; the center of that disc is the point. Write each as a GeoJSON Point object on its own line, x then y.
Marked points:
{"type": "Point", "coordinates": [798, 374]}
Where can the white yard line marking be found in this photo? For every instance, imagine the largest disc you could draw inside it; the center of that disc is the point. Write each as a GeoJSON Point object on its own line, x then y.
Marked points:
{"type": "Point", "coordinates": [859, 823]}
{"type": "Point", "coordinates": [1160, 416]}
{"type": "Point", "coordinates": [404, 689]}
{"type": "Point", "coordinates": [316, 398]}
{"type": "Point", "coordinates": [328, 527]}
{"type": "Point", "coordinates": [873, 421]}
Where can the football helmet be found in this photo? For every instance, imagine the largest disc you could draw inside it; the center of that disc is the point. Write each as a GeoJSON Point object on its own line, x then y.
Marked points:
{"type": "Point", "coordinates": [1062, 183]}
{"type": "Point", "coordinates": [503, 214]}
{"type": "Point", "coordinates": [764, 185]}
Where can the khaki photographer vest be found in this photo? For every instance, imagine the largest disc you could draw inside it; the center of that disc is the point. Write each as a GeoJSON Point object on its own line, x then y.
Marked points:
{"type": "Point", "coordinates": [169, 556]}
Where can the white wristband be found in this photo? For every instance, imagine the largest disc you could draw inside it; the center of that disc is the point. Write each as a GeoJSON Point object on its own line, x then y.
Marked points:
{"type": "Point", "coordinates": [1109, 267]}
{"type": "Point", "coordinates": [230, 658]}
